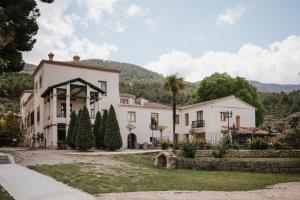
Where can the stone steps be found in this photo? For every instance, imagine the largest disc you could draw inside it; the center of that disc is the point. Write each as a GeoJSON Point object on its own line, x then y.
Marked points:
{"type": "Point", "coordinates": [6, 159]}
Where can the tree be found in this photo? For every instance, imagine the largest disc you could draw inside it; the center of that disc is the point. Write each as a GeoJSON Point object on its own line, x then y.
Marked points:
{"type": "Point", "coordinates": [174, 84]}
{"type": "Point", "coordinates": [75, 133]}
{"type": "Point", "coordinates": [103, 129]}
{"type": "Point", "coordinates": [112, 139]}
{"type": "Point", "coordinates": [13, 125]}
{"type": "Point", "coordinates": [96, 130]}
{"type": "Point", "coordinates": [221, 85]}
{"type": "Point", "coordinates": [85, 138]}
{"type": "Point", "coordinates": [71, 130]}
{"type": "Point", "coordinates": [161, 128]}
{"type": "Point", "coordinates": [18, 25]}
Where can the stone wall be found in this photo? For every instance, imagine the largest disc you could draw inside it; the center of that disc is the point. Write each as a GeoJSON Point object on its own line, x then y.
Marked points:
{"type": "Point", "coordinates": [248, 166]}
{"type": "Point", "coordinates": [254, 153]}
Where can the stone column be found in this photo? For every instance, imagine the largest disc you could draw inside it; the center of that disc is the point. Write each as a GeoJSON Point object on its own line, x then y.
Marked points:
{"type": "Point", "coordinates": [88, 99]}
{"type": "Point", "coordinates": [68, 107]}
{"type": "Point", "coordinates": [54, 106]}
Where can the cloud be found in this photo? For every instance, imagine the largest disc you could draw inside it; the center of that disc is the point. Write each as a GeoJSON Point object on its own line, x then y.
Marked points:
{"type": "Point", "coordinates": [56, 34]}
{"type": "Point", "coordinates": [96, 8]}
{"type": "Point", "coordinates": [150, 23]}
{"type": "Point", "coordinates": [279, 63]}
{"type": "Point", "coordinates": [134, 10]}
{"type": "Point", "coordinates": [231, 15]}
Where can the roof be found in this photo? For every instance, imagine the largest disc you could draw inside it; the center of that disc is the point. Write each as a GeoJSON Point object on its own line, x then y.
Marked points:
{"type": "Point", "coordinates": [28, 99]}
{"type": "Point", "coordinates": [72, 64]}
{"type": "Point", "coordinates": [26, 91]}
{"type": "Point", "coordinates": [215, 101]}
{"type": "Point", "coordinates": [148, 105]}
{"type": "Point", "coordinates": [127, 95]}
{"type": "Point", "coordinates": [71, 81]}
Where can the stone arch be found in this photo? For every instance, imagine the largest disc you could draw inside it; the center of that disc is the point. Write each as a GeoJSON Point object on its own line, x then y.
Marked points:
{"type": "Point", "coordinates": [131, 141]}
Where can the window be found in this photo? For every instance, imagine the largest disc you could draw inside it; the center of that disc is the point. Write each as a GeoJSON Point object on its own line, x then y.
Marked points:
{"type": "Point", "coordinates": [199, 115]}
{"type": "Point", "coordinates": [41, 81]}
{"type": "Point", "coordinates": [186, 119]}
{"type": "Point", "coordinates": [177, 119]}
{"type": "Point", "coordinates": [32, 118]}
{"type": "Point", "coordinates": [222, 116]}
{"type": "Point", "coordinates": [38, 114]}
{"type": "Point", "coordinates": [124, 101]}
{"type": "Point", "coordinates": [62, 110]}
{"type": "Point", "coordinates": [93, 115]}
{"type": "Point", "coordinates": [103, 86]}
{"type": "Point", "coordinates": [154, 120]}
{"type": "Point", "coordinates": [131, 116]}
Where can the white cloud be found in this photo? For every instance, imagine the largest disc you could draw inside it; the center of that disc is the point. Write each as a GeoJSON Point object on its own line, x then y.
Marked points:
{"type": "Point", "coordinates": [279, 63]}
{"type": "Point", "coordinates": [150, 23]}
{"type": "Point", "coordinates": [231, 15]}
{"type": "Point", "coordinates": [96, 8]}
{"type": "Point", "coordinates": [56, 34]}
{"type": "Point", "coordinates": [134, 10]}
{"type": "Point", "coordinates": [118, 27]}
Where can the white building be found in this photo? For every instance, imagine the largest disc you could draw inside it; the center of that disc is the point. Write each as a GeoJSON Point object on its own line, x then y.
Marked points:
{"type": "Point", "coordinates": [61, 87]}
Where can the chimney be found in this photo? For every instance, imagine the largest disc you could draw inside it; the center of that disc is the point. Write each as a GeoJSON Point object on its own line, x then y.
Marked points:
{"type": "Point", "coordinates": [51, 55]}
{"type": "Point", "coordinates": [76, 59]}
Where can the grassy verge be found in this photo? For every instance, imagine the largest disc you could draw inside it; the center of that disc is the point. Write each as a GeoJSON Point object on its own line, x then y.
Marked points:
{"type": "Point", "coordinates": [137, 173]}
{"type": "Point", "coordinates": [251, 159]}
{"type": "Point", "coordinates": [4, 195]}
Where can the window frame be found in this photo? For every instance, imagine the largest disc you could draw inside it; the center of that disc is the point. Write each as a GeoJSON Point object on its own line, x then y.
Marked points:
{"type": "Point", "coordinates": [177, 119]}
{"type": "Point", "coordinates": [154, 116]}
{"type": "Point", "coordinates": [223, 116]}
{"type": "Point", "coordinates": [129, 116]}
{"type": "Point", "coordinates": [187, 119]}
{"type": "Point", "coordinates": [100, 86]}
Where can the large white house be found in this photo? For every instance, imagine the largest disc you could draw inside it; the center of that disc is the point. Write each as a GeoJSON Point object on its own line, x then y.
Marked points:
{"type": "Point", "coordinates": [61, 87]}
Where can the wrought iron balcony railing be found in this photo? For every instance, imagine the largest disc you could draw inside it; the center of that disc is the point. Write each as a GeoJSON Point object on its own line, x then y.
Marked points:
{"type": "Point", "coordinates": [198, 124]}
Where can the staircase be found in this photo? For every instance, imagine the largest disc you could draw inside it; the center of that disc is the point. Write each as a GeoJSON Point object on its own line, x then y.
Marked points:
{"type": "Point", "coordinates": [5, 159]}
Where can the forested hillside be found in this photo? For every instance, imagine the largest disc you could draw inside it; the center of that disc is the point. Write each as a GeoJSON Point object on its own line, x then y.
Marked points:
{"type": "Point", "coordinates": [142, 82]}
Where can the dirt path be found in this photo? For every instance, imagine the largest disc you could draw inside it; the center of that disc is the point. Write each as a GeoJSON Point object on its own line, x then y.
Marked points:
{"type": "Point", "coordinates": [282, 191]}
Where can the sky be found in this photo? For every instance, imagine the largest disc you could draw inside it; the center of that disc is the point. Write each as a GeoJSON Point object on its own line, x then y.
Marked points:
{"type": "Point", "coordinates": [258, 40]}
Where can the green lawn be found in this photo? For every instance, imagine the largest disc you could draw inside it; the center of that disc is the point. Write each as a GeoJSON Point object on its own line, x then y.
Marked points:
{"type": "Point", "coordinates": [137, 173]}
{"type": "Point", "coordinates": [251, 159]}
{"type": "Point", "coordinates": [4, 195]}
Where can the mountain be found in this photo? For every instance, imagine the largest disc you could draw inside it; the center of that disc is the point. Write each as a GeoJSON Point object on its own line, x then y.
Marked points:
{"type": "Point", "coordinates": [272, 87]}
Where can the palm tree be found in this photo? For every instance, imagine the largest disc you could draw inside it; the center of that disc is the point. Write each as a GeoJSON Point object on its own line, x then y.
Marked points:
{"type": "Point", "coordinates": [174, 84]}
{"type": "Point", "coordinates": [161, 128]}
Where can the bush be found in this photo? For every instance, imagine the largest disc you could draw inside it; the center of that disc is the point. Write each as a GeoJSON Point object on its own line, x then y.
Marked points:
{"type": "Point", "coordinates": [96, 130]}
{"type": "Point", "coordinates": [112, 139]}
{"type": "Point", "coordinates": [165, 145]}
{"type": "Point", "coordinates": [222, 148]}
{"type": "Point", "coordinates": [75, 132]}
{"type": "Point", "coordinates": [279, 145]}
{"type": "Point", "coordinates": [85, 138]}
{"type": "Point", "coordinates": [202, 145]}
{"type": "Point", "coordinates": [102, 129]}
{"type": "Point", "coordinates": [71, 129]}
{"type": "Point", "coordinates": [259, 144]}
{"type": "Point", "coordinates": [292, 139]}
{"type": "Point", "coordinates": [188, 149]}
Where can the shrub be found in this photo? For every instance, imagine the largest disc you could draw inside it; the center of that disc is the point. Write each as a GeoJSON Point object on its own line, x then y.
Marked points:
{"type": "Point", "coordinates": [259, 144]}
{"type": "Point", "coordinates": [71, 129]}
{"type": "Point", "coordinates": [222, 148]}
{"type": "Point", "coordinates": [202, 145]}
{"type": "Point", "coordinates": [75, 132]}
{"type": "Point", "coordinates": [165, 145]}
{"type": "Point", "coordinates": [102, 129]}
{"type": "Point", "coordinates": [112, 138]}
{"type": "Point", "coordinates": [188, 149]}
{"type": "Point", "coordinates": [96, 130]}
{"type": "Point", "coordinates": [85, 138]}
{"type": "Point", "coordinates": [279, 145]}
{"type": "Point", "coordinates": [292, 139]}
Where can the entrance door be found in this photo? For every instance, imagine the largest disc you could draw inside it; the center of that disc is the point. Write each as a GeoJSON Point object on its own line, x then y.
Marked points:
{"type": "Point", "coordinates": [131, 141]}
{"type": "Point", "coordinates": [61, 136]}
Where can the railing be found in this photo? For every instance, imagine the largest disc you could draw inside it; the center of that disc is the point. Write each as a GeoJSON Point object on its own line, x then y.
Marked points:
{"type": "Point", "coordinates": [198, 124]}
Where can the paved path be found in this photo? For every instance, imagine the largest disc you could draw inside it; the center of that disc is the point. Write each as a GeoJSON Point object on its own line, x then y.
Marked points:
{"type": "Point", "coordinates": [282, 191]}
{"type": "Point", "coordinates": [25, 184]}
{"type": "Point", "coordinates": [108, 153]}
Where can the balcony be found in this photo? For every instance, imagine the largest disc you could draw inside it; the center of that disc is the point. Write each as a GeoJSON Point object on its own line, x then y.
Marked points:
{"type": "Point", "coordinates": [198, 124]}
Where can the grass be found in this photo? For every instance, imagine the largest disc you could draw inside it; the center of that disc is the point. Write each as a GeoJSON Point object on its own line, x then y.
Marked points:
{"type": "Point", "coordinates": [4, 195]}
{"type": "Point", "coordinates": [252, 159]}
{"type": "Point", "coordinates": [137, 173]}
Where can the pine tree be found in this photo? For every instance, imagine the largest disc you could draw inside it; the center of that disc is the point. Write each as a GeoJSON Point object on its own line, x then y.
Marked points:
{"type": "Point", "coordinates": [74, 136]}
{"type": "Point", "coordinates": [96, 129]}
{"type": "Point", "coordinates": [85, 138]}
{"type": "Point", "coordinates": [112, 139]}
{"type": "Point", "coordinates": [103, 129]}
{"type": "Point", "coordinates": [71, 130]}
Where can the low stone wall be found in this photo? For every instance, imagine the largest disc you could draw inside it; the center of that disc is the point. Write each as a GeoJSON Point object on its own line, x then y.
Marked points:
{"type": "Point", "coordinates": [247, 166]}
{"type": "Point", "coordinates": [254, 153]}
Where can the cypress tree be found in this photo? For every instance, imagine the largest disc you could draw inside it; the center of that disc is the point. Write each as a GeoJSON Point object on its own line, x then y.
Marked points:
{"type": "Point", "coordinates": [96, 129]}
{"type": "Point", "coordinates": [71, 130]}
{"type": "Point", "coordinates": [85, 138]}
{"type": "Point", "coordinates": [103, 129]}
{"type": "Point", "coordinates": [112, 139]}
{"type": "Point", "coordinates": [74, 136]}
